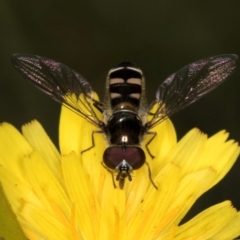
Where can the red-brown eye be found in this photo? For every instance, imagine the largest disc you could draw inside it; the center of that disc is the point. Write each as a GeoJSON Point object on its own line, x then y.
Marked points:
{"type": "Point", "coordinates": [114, 155]}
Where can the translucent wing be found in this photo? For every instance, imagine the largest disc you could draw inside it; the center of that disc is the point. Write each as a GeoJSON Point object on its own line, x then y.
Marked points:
{"type": "Point", "coordinates": [61, 83]}
{"type": "Point", "coordinates": [189, 84]}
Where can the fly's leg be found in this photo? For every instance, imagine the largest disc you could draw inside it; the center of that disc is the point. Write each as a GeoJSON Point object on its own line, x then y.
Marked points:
{"type": "Point", "coordinates": [153, 136]}
{"type": "Point", "coordinates": [114, 184]}
{"type": "Point", "coordinates": [93, 142]}
{"type": "Point", "coordinates": [150, 176]}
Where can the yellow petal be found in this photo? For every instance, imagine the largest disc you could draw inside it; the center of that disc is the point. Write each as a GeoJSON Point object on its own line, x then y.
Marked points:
{"type": "Point", "coordinates": [45, 185]}
{"type": "Point", "coordinates": [73, 128]}
{"type": "Point", "coordinates": [43, 225]}
{"type": "Point", "coordinates": [81, 195]}
{"type": "Point", "coordinates": [40, 141]}
{"type": "Point", "coordinates": [160, 146]}
{"type": "Point", "coordinates": [190, 188]}
{"type": "Point", "coordinates": [209, 222]}
{"type": "Point", "coordinates": [13, 147]}
{"type": "Point", "coordinates": [231, 230]}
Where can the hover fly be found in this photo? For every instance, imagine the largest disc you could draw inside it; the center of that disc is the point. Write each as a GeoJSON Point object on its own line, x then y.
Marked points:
{"type": "Point", "coordinates": [124, 110]}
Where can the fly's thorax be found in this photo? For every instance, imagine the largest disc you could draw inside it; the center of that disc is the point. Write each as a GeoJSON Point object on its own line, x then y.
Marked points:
{"type": "Point", "coordinates": [124, 127]}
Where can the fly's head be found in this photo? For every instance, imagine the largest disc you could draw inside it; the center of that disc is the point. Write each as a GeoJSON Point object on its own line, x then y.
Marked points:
{"type": "Point", "coordinates": [123, 160]}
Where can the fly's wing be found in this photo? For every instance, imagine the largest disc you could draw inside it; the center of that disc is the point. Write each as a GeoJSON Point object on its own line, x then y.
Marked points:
{"type": "Point", "coordinates": [61, 83]}
{"type": "Point", "coordinates": [189, 84]}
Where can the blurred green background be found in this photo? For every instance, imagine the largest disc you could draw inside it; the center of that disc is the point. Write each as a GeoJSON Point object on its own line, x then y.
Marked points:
{"type": "Point", "coordinates": [92, 36]}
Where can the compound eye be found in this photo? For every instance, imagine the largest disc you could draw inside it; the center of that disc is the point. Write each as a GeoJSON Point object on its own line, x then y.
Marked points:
{"type": "Point", "coordinates": [134, 156]}
{"type": "Point", "coordinates": [113, 156]}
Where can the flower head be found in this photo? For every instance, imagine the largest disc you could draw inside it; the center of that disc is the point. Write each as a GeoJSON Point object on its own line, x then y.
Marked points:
{"type": "Point", "coordinates": [69, 195]}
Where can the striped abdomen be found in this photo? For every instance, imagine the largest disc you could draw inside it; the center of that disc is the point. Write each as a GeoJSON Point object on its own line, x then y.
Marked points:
{"type": "Point", "coordinates": [125, 85]}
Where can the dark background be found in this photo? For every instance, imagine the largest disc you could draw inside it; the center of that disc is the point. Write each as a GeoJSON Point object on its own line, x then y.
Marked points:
{"type": "Point", "coordinates": [91, 37]}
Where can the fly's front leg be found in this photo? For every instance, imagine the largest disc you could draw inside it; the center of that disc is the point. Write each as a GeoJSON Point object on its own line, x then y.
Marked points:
{"type": "Point", "coordinates": [153, 136]}
{"type": "Point", "coordinates": [150, 176]}
{"type": "Point", "coordinates": [93, 142]}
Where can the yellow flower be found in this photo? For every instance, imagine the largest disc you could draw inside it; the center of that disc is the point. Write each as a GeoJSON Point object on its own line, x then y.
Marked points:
{"type": "Point", "coordinates": [67, 195]}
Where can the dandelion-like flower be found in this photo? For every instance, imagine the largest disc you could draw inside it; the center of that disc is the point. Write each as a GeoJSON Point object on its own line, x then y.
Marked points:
{"type": "Point", "coordinates": [69, 195]}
